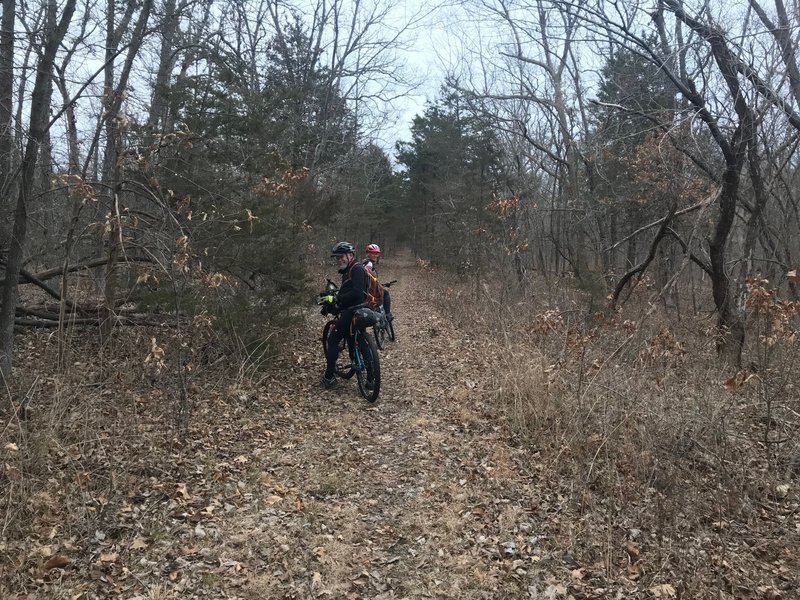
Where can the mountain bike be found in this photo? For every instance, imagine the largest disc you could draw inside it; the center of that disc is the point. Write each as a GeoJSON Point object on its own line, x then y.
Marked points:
{"type": "Point", "coordinates": [383, 328]}
{"type": "Point", "coordinates": [361, 358]}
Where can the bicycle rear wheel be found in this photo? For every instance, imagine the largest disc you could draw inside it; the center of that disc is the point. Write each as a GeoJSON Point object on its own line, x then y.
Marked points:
{"type": "Point", "coordinates": [390, 329]}
{"type": "Point", "coordinates": [344, 366]}
{"type": "Point", "coordinates": [380, 336]}
{"type": "Point", "coordinates": [368, 374]}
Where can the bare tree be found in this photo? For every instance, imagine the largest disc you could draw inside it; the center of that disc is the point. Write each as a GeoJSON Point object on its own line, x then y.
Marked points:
{"type": "Point", "coordinates": [9, 147]}
{"type": "Point", "coordinates": [55, 30]}
{"type": "Point", "coordinates": [534, 65]}
{"type": "Point", "coordinates": [7, 93]}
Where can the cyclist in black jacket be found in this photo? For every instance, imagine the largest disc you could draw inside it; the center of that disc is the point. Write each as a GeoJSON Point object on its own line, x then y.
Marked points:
{"type": "Point", "coordinates": [352, 293]}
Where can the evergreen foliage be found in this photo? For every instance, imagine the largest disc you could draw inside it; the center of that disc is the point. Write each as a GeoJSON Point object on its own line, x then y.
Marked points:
{"type": "Point", "coordinates": [452, 173]}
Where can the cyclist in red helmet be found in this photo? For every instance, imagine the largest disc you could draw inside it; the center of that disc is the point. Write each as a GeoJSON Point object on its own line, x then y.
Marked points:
{"type": "Point", "coordinates": [371, 264]}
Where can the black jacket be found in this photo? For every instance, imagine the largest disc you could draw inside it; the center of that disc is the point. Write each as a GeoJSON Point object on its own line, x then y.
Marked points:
{"type": "Point", "coordinates": [353, 290]}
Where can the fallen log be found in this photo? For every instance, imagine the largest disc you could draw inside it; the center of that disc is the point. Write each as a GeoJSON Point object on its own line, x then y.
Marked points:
{"type": "Point", "coordinates": [49, 320]}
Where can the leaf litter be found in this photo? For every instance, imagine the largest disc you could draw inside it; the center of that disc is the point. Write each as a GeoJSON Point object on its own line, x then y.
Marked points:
{"type": "Point", "coordinates": [286, 491]}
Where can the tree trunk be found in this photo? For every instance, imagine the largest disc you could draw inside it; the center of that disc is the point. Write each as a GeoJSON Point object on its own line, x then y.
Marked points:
{"type": "Point", "coordinates": [73, 149]}
{"type": "Point", "coordinates": [39, 117]}
{"type": "Point", "coordinates": [159, 106]}
{"type": "Point", "coordinates": [729, 320]}
{"type": "Point", "coordinates": [111, 169]}
{"type": "Point", "coordinates": [7, 159]}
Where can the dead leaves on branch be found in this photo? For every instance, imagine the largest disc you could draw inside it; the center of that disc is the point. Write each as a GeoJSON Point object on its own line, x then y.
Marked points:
{"type": "Point", "coordinates": [285, 184]}
{"type": "Point", "coordinates": [738, 380]}
{"type": "Point", "coordinates": [776, 318]}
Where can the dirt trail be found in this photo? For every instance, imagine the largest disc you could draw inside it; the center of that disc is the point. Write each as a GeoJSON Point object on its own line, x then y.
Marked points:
{"type": "Point", "coordinates": [420, 495]}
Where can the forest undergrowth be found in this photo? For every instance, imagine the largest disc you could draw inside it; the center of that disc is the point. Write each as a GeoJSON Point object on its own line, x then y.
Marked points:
{"type": "Point", "coordinates": [528, 449]}
{"type": "Point", "coordinates": [675, 463]}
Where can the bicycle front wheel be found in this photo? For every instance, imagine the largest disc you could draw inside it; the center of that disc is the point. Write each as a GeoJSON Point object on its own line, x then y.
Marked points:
{"type": "Point", "coordinates": [368, 373]}
{"type": "Point", "coordinates": [344, 366]}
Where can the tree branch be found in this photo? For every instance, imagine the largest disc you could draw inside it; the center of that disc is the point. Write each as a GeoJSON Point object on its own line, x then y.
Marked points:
{"type": "Point", "coordinates": [56, 271]}
{"type": "Point", "coordinates": [683, 211]}
{"type": "Point", "coordinates": [642, 266]}
{"type": "Point", "coordinates": [693, 257]}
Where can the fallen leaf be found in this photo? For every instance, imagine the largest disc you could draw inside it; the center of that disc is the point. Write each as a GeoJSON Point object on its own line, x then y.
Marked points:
{"type": "Point", "coordinates": [738, 380]}
{"type": "Point", "coordinates": [792, 276]}
{"type": "Point", "coordinates": [58, 561]}
{"type": "Point", "coordinates": [731, 384]}
{"type": "Point", "coordinates": [578, 574]}
{"type": "Point", "coordinates": [109, 557]}
{"type": "Point", "coordinates": [770, 593]}
{"type": "Point", "coordinates": [663, 590]}
{"type": "Point", "coordinates": [183, 491]}
{"type": "Point", "coordinates": [634, 571]}
{"type": "Point", "coordinates": [139, 544]}
{"type": "Point", "coordinates": [632, 548]}
{"type": "Point", "coordinates": [316, 580]}
{"type": "Point", "coordinates": [270, 500]}
{"type": "Point", "coordinates": [11, 446]}
{"type": "Point", "coordinates": [553, 591]}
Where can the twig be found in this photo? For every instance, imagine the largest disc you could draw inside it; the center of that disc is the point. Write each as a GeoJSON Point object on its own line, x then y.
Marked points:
{"type": "Point", "coordinates": [683, 211]}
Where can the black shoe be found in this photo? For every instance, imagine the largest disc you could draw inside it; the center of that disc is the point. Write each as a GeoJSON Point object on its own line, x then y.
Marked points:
{"type": "Point", "coordinates": [328, 384]}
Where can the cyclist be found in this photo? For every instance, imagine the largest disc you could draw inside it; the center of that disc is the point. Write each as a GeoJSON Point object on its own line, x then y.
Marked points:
{"type": "Point", "coordinates": [352, 293]}
{"type": "Point", "coordinates": [371, 264]}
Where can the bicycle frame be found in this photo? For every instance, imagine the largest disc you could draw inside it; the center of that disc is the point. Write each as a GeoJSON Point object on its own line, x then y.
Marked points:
{"type": "Point", "coordinates": [352, 344]}
{"type": "Point", "coordinates": [363, 354]}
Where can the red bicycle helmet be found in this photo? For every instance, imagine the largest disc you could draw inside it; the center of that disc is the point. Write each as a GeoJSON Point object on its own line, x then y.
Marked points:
{"type": "Point", "coordinates": [374, 248]}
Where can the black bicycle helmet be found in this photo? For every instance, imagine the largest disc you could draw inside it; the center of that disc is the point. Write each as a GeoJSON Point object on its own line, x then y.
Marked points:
{"type": "Point", "coordinates": [343, 248]}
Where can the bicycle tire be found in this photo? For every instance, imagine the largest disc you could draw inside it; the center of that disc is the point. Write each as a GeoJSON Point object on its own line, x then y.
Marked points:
{"type": "Point", "coordinates": [370, 370]}
{"type": "Point", "coordinates": [390, 330]}
{"type": "Point", "coordinates": [344, 367]}
{"type": "Point", "coordinates": [379, 333]}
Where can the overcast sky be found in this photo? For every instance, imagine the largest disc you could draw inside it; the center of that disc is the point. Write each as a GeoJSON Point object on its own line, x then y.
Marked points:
{"type": "Point", "coordinates": [429, 54]}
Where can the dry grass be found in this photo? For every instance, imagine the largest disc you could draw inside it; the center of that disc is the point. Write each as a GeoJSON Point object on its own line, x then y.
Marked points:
{"type": "Point", "coordinates": [654, 441]}
{"type": "Point", "coordinates": [85, 447]}
{"type": "Point", "coordinates": [518, 446]}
